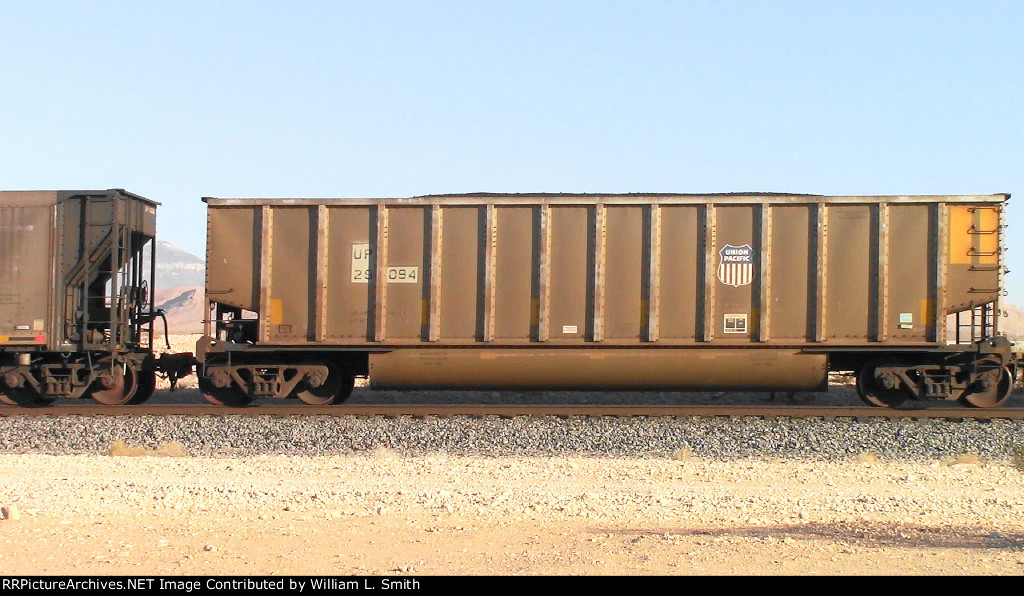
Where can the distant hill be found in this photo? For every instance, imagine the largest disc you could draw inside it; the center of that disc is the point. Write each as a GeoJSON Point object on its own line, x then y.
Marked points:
{"type": "Point", "coordinates": [184, 308]}
{"type": "Point", "coordinates": [180, 279]}
{"type": "Point", "coordinates": [176, 268]}
{"type": "Point", "coordinates": [1013, 322]}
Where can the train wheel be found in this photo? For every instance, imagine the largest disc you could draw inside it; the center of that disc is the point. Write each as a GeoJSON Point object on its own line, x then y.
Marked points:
{"type": "Point", "coordinates": [23, 396]}
{"type": "Point", "coordinates": [873, 393]}
{"type": "Point", "coordinates": [115, 386]}
{"type": "Point", "coordinates": [146, 386]}
{"type": "Point", "coordinates": [336, 388]}
{"type": "Point", "coordinates": [993, 397]}
{"type": "Point", "coordinates": [223, 396]}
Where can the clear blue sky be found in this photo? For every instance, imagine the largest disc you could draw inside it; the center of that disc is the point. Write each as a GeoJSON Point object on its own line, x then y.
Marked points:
{"type": "Point", "coordinates": [179, 100]}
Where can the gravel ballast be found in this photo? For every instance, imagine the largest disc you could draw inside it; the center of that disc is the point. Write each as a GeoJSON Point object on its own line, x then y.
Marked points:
{"type": "Point", "coordinates": [900, 439]}
{"type": "Point", "coordinates": [350, 495]}
{"type": "Point", "coordinates": [724, 438]}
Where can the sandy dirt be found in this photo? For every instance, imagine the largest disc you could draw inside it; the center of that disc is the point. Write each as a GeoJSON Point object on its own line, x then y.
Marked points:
{"type": "Point", "coordinates": [384, 514]}
{"type": "Point", "coordinates": [392, 515]}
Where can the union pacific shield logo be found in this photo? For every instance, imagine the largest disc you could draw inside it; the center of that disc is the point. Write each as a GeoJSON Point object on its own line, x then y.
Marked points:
{"type": "Point", "coordinates": [736, 266]}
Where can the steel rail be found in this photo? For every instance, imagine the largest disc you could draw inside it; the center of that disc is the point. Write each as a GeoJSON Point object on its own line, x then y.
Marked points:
{"type": "Point", "coordinates": [623, 411]}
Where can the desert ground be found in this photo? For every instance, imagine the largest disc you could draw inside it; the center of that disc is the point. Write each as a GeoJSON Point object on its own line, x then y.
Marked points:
{"type": "Point", "coordinates": [383, 514]}
{"type": "Point", "coordinates": [142, 511]}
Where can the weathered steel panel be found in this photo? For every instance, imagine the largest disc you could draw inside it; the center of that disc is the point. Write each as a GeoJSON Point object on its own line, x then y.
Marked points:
{"type": "Point", "coordinates": [26, 268]}
{"type": "Point", "coordinates": [348, 274]}
{"type": "Point", "coordinates": [682, 252]}
{"type": "Point", "coordinates": [911, 270]}
{"type": "Point", "coordinates": [570, 296]}
{"type": "Point", "coordinates": [734, 272]}
{"type": "Point", "coordinates": [461, 288]}
{"type": "Point", "coordinates": [404, 272]}
{"type": "Point", "coordinates": [232, 261]}
{"type": "Point", "coordinates": [293, 274]}
{"type": "Point", "coordinates": [624, 268]}
{"type": "Point", "coordinates": [791, 269]}
{"type": "Point", "coordinates": [515, 260]}
{"type": "Point", "coordinates": [609, 270]}
{"type": "Point", "coordinates": [848, 279]}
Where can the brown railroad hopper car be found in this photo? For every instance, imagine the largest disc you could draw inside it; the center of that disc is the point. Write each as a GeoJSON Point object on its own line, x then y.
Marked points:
{"type": "Point", "coordinates": [75, 315]}
{"type": "Point", "coordinates": [632, 292]}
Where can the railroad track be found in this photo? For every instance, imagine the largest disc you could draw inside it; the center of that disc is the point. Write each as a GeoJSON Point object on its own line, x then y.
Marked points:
{"type": "Point", "coordinates": [625, 411]}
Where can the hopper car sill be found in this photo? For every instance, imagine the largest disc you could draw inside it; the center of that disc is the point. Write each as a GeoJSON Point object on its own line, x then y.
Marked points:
{"type": "Point", "coordinates": [229, 347]}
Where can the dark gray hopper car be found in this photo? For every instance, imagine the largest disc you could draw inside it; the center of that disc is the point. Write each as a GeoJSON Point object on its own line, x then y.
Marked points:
{"type": "Point", "coordinates": [75, 314]}
{"type": "Point", "coordinates": [629, 292]}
